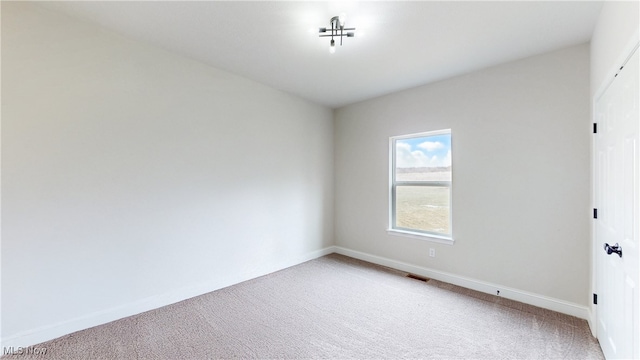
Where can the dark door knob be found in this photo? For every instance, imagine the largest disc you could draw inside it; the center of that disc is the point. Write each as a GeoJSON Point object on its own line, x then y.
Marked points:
{"type": "Point", "coordinates": [613, 249]}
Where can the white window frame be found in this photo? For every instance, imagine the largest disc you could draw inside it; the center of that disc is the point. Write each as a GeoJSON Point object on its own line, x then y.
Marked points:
{"type": "Point", "coordinates": [415, 233]}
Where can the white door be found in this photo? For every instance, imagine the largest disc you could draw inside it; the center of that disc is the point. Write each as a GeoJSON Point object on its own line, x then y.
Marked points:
{"type": "Point", "coordinates": [617, 198]}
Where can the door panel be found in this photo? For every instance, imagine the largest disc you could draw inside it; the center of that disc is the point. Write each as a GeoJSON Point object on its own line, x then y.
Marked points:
{"type": "Point", "coordinates": [617, 198]}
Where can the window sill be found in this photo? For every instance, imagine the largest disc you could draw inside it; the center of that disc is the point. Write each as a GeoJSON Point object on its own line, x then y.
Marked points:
{"type": "Point", "coordinates": [416, 235]}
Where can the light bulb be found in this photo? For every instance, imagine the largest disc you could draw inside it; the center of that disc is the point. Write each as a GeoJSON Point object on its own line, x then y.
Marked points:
{"type": "Point", "coordinates": [332, 48]}
{"type": "Point", "coordinates": [342, 18]}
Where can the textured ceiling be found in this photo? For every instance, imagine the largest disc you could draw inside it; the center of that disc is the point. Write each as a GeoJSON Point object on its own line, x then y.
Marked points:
{"type": "Point", "coordinates": [398, 45]}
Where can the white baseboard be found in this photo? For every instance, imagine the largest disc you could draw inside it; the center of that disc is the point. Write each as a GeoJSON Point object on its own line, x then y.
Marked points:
{"type": "Point", "coordinates": [592, 322]}
{"type": "Point", "coordinates": [49, 332]}
{"type": "Point", "coordinates": [541, 301]}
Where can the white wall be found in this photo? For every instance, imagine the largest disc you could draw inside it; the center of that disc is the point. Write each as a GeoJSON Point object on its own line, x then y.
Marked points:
{"type": "Point", "coordinates": [132, 177]}
{"type": "Point", "coordinates": [618, 22]}
{"type": "Point", "coordinates": [0, 184]}
{"type": "Point", "coordinates": [520, 140]}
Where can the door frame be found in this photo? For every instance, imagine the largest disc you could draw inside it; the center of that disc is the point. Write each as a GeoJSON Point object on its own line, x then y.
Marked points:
{"type": "Point", "coordinates": [625, 55]}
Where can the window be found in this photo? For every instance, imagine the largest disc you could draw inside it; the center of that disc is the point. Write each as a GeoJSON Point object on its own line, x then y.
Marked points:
{"type": "Point", "coordinates": [420, 186]}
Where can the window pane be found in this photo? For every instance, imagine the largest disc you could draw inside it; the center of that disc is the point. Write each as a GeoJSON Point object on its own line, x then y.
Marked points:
{"type": "Point", "coordinates": [426, 158]}
{"type": "Point", "coordinates": [424, 208]}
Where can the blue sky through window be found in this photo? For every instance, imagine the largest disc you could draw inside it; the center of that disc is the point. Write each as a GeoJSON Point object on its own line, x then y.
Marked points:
{"type": "Point", "coordinates": [426, 151]}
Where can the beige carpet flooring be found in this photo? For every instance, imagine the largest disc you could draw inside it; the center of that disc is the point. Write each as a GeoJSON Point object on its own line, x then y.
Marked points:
{"type": "Point", "coordinates": [336, 307]}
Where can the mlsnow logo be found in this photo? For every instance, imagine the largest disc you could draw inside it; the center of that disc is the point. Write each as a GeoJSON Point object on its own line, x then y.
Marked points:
{"type": "Point", "coordinates": [29, 350]}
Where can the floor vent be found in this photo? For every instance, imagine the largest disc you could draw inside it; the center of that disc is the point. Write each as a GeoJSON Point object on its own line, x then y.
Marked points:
{"type": "Point", "coordinates": [417, 277]}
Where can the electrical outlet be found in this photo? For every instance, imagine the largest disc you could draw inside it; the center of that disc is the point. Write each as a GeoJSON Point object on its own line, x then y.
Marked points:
{"type": "Point", "coordinates": [432, 252]}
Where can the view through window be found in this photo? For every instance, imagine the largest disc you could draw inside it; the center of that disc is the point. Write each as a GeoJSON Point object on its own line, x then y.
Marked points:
{"type": "Point", "coordinates": [421, 183]}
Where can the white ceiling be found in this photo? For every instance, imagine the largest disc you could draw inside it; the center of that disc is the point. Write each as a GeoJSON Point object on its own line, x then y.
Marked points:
{"type": "Point", "coordinates": [398, 45]}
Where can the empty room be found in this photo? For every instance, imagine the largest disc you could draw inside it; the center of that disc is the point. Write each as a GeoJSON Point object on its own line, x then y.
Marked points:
{"type": "Point", "coordinates": [301, 179]}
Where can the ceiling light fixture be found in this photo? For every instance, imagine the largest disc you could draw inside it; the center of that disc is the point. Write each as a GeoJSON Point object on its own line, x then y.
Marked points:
{"type": "Point", "coordinates": [337, 30]}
